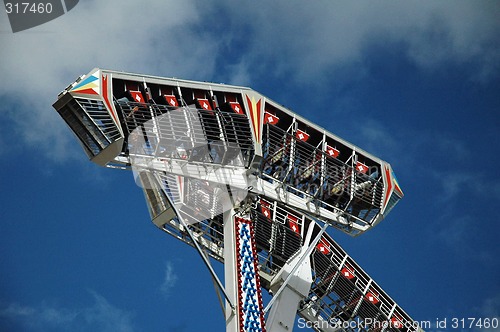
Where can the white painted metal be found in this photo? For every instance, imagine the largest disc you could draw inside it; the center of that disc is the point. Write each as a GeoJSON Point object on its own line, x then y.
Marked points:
{"type": "Point", "coordinates": [230, 283]}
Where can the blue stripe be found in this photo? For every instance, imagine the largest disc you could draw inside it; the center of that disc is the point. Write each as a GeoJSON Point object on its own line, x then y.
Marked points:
{"type": "Point", "coordinates": [85, 81]}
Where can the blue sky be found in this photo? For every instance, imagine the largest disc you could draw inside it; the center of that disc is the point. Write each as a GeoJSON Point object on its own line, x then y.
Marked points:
{"type": "Point", "coordinates": [415, 83]}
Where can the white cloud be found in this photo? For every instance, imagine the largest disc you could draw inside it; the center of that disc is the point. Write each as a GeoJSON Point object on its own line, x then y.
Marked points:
{"type": "Point", "coordinates": [169, 279]}
{"type": "Point", "coordinates": [121, 35]}
{"type": "Point", "coordinates": [308, 40]}
{"type": "Point", "coordinates": [37, 64]}
{"type": "Point", "coordinates": [314, 41]}
{"type": "Point", "coordinates": [461, 32]}
{"type": "Point", "coordinates": [101, 316]}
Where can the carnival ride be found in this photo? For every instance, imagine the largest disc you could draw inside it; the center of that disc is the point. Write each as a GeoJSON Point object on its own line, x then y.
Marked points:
{"type": "Point", "coordinates": [250, 184]}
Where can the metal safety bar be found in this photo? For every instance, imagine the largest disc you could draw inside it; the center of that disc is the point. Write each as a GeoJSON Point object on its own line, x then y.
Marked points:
{"type": "Point", "coordinates": [187, 133]}
{"type": "Point", "coordinates": [308, 171]}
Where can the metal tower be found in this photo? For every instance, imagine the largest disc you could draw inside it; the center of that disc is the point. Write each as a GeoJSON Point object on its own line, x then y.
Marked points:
{"type": "Point", "coordinates": [250, 184]}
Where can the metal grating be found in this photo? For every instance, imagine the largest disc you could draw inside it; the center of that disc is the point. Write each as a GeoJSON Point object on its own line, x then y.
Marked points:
{"type": "Point", "coordinates": [101, 117]}
{"type": "Point", "coordinates": [187, 133]}
{"type": "Point", "coordinates": [343, 292]}
{"type": "Point", "coordinates": [327, 182]}
{"type": "Point", "coordinates": [86, 128]}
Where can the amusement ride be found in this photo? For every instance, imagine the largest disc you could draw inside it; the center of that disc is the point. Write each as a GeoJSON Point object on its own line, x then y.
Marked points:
{"type": "Point", "coordinates": [250, 184]}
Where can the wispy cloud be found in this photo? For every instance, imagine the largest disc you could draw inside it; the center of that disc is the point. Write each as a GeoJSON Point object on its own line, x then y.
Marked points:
{"type": "Point", "coordinates": [454, 229]}
{"type": "Point", "coordinates": [41, 317]}
{"type": "Point", "coordinates": [169, 279]}
{"type": "Point", "coordinates": [473, 183]}
{"type": "Point", "coordinates": [336, 36]}
{"type": "Point", "coordinates": [490, 309]}
{"type": "Point", "coordinates": [461, 195]}
{"type": "Point", "coordinates": [101, 316]}
{"type": "Point", "coordinates": [447, 182]}
{"type": "Point", "coordinates": [377, 138]}
{"type": "Point", "coordinates": [107, 317]}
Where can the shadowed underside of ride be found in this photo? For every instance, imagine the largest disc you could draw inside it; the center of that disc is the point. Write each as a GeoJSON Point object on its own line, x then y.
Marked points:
{"type": "Point", "coordinates": [203, 151]}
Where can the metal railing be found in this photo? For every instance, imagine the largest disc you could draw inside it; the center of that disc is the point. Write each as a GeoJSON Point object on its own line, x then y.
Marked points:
{"type": "Point", "coordinates": [342, 291]}
{"type": "Point", "coordinates": [187, 133]}
{"type": "Point", "coordinates": [101, 117]}
{"type": "Point", "coordinates": [326, 182]}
